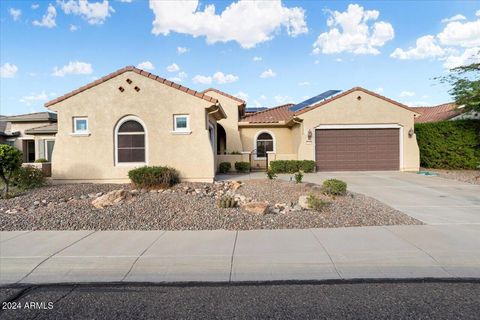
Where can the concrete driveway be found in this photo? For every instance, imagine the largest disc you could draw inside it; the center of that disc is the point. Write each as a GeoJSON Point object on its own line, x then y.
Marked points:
{"type": "Point", "coordinates": [433, 200]}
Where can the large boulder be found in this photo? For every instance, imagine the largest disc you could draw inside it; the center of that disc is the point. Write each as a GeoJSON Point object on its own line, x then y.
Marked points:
{"type": "Point", "coordinates": [303, 202]}
{"type": "Point", "coordinates": [256, 207]}
{"type": "Point", "coordinates": [114, 197]}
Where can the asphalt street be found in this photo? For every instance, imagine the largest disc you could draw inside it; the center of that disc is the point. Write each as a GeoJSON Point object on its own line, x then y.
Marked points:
{"type": "Point", "coordinates": [336, 300]}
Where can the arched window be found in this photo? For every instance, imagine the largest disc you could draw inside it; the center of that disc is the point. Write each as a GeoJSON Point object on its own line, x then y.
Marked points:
{"type": "Point", "coordinates": [264, 143]}
{"type": "Point", "coordinates": [130, 142]}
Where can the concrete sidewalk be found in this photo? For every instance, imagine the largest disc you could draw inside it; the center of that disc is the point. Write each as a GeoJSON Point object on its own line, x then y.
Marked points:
{"type": "Point", "coordinates": [223, 256]}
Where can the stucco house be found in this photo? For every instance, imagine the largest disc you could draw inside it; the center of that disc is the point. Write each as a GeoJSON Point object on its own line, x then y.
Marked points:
{"type": "Point", "coordinates": [32, 133]}
{"type": "Point", "coordinates": [132, 118]}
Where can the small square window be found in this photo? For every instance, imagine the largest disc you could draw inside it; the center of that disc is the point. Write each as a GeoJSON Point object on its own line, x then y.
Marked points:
{"type": "Point", "coordinates": [80, 125]}
{"type": "Point", "coordinates": [181, 123]}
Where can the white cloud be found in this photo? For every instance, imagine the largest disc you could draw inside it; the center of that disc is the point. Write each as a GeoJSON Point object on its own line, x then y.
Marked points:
{"type": "Point", "coordinates": [477, 13]}
{"type": "Point", "coordinates": [246, 22]}
{"type": "Point", "coordinates": [456, 17]}
{"type": "Point", "coordinates": [379, 90]}
{"type": "Point", "coordinates": [8, 70]}
{"type": "Point", "coordinates": [173, 67]}
{"type": "Point", "coordinates": [15, 13]}
{"type": "Point", "coordinates": [350, 31]}
{"type": "Point", "coordinates": [471, 55]}
{"type": "Point", "coordinates": [48, 19]}
{"type": "Point", "coordinates": [257, 58]}
{"type": "Point", "coordinates": [461, 34]}
{"type": "Point", "coordinates": [282, 99]}
{"type": "Point", "coordinates": [35, 6]}
{"type": "Point", "coordinates": [146, 65]}
{"type": "Point", "coordinates": [179, 77]}
{"type": "Point", "coordinates": [242, 95]}
{"type": "Point", "coordinates": [221, 78]}
{"type": "Point", "coordinates": [338, 60]}
{"type": "Point", "coordinates": [268, 74]}
{"type": "Point", "coordinates": [202, 79]}
{"type": "Point", "coordinates": [34, 98]}
{"type": "Point", "coordinates": [75, 67]}
{"type": "Point", "coordinates": [93, 12]}
{"type": "Point", "coordinates": [182, 50]}
{"type": "Point", "coordinates": [218, 77]}
{"type": "Point", "coordinates": [73, 27]}
{"type": "Point", "coordinates": [304, 83]}
{"type": "Point", "coordinates": [426, 47]}
{"type": "Point", "coordinates": [406, 94]}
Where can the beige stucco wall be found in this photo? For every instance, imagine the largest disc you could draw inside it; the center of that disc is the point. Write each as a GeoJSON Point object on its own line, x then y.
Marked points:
{"type": "Point", "coordinates": [21, 127]}
{"type": "Point", "coordinates": [92, 158]}
{"type": "Point", "coordinates": [230, 124]}
{"type": "Point", "coordinates": [368, 110]}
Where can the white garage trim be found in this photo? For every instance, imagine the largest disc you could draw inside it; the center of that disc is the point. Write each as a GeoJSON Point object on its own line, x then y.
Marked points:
{"type": "Point", "coordinates": [363, 126]}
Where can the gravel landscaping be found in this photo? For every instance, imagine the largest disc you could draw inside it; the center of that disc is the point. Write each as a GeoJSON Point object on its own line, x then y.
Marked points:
{"type": "Point", "coordinates": [190, 206]}
{"type": "Point", "coordinates": [469, 176]}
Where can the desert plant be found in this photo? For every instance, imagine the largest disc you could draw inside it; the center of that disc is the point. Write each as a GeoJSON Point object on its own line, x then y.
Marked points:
{"type": "Point", "coordinates": [224, 167]}
{"type": "Point", "coordinates": [154, 177]}
{"type": "Point", "coordinates": [298, 176]}
{"type": "Point", "coordinates": [10, 161]}
{"type": "Point", "coordinates": [235, 152]}
{"type": "Point", "coordinates": [227, 202]}
{"type": "Point", "coordinates": [242, 166]}
{"type": "Point", "coordinates": [271, 174]}
{"type": "Point", "coordinates": [334, 187]}
{"type": "Point", "coordinates": [315, 203]}
{"type": "Point", "coordinates": [41, 160]}
{"type": "Point", "coordinates": [28, 177]}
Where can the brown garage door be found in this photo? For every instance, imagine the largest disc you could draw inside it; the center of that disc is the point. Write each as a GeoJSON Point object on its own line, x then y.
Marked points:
{"type": "Point", "coordinates": [357, 149]}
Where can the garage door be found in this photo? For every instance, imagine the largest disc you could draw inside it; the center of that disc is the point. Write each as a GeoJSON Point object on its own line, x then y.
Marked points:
{"type": "Point", "coordinates": [357, 149]}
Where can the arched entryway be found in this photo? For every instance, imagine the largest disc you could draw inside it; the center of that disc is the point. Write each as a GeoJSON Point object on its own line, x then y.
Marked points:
{"type": "Point", "coordinates": [221, 139]}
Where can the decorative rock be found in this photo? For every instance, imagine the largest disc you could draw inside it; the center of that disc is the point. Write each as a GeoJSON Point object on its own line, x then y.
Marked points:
{"type": "Point", "coordinates": [236, 185]}
{"type": "Point", "coordinates": [44, 201]}
{"type": "Point", "coordinates": [99, 194]}
{"type": "Point", "coordinates": [91, 195]}
{"type": "Point", "coordinates": [134, 192]}
{"type": "Point", "coordinates": [303, 202]}
{"type": "Point", "coordinates": [36, 203]}
{"type": "Point", "coordinates": [256, 207]}
{"type": "Point", "coordinates": [82, 197]}
{"type": "Point", "coordinates": [112, 198]}
{"type": "Point", "coordinates": [153, 191]}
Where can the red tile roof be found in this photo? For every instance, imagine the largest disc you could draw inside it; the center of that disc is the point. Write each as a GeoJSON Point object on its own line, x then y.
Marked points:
{"type": "Point", "coordinates": [283, 112]}
{"type": "Point", "coordinates": [441, 112]}
{"type": "Point", "coordinates": [224, 94]}
{"type": "Point", "coordinates": [271, 115]}
{"type": "Point", "coordinates": [401, 105]}
{"type": "Point", "coordinates": [140, 72]}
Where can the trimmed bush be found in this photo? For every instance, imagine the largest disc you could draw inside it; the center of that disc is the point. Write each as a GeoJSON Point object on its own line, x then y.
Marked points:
{"type": "Point", "coordinates": [449, 144]}
{"type": "Point", "coordinates": [334, 187]}
{"type": "Point", "coordinates": [154, 177]}
{"type": "Point", "coordinates": [10, 161]}
{"type": "Point", "coordinates": [224, 167]}
{"type": "Point", "coordinates": [28, 177]}
{"type": "Point", "coordinates": [271, 174]}
{"type": "Point", "coordinates": [41, 160]}
{"type": "Point", "coordinates": [298, 177]}
{"type": "Point", "coordinates": [242, 166]}
{"type": "Point", "coordinates": [292, 166]}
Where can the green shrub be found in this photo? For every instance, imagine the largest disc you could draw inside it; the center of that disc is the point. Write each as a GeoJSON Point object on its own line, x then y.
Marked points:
{"type": "Point", "coordinates": [449, 144]}
{"type": "Point", "coordinates": [315, 203]}
{"type": "Point", "coordinates": [292, 166]}
{"type": "Point", "coordinates": [271, 174]}
{"type": "Point", "coordinates": [10, 161]}
{"type": "Point", "coordinates": [28, 177]}
{"type": "Point", "coordinates": [242, 166]}
{"type": "Point", "coordinates": [154, 177]}
{"type": "Point", "coordinates": [224, 167]}
{"type": "Point", "coordinates": [278, 166]}
{"type": "Point", "coordinates": [41, 160]}
{"type": "Point", "coordinates": [298, 177]}
{"type": "Point", "coordinates": [334, 187]}
{"type": "Point", "coordinates": [235, 152]}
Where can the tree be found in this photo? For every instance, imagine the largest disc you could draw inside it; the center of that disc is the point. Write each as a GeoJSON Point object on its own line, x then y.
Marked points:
{"type": "Point", "coordinates": [10, 161]}
{"type": "Point", "coordinates": [465, 82]}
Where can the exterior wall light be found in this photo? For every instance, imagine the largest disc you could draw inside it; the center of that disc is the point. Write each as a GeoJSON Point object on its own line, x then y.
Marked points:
{"type": "Point", "coordinates": [410, 133]}
{"type": "Point", "coordinates": [309, 134]}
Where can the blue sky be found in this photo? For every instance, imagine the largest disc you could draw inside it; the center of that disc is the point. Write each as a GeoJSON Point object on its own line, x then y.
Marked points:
{"type": "Point", "coordinates": [268, 53]}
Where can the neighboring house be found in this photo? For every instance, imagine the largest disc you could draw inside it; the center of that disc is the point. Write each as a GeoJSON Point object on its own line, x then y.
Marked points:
{"type": "Point", "coordinates": [132, 118]}
{"type": "Point", "coordinates": [32, 133]}
{"type": "Point", "coordinates": [444, 112]}
{"type": "Point", "coordinates": [6, 137]}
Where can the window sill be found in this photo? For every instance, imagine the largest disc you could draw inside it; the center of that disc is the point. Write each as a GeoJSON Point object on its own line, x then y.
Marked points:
{"type": "Point", "coordinates": [80, 134]}
{"type": "Point", "coordinates": [181, 132]}
{"type": "Point", "coordinates": [130, 164]}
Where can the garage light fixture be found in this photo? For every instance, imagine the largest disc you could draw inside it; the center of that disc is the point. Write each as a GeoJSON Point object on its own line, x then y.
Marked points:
{"type": "Point", "coordinates": [410, 133]}
{"type": "Point", "coordinates": [309, 134]}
